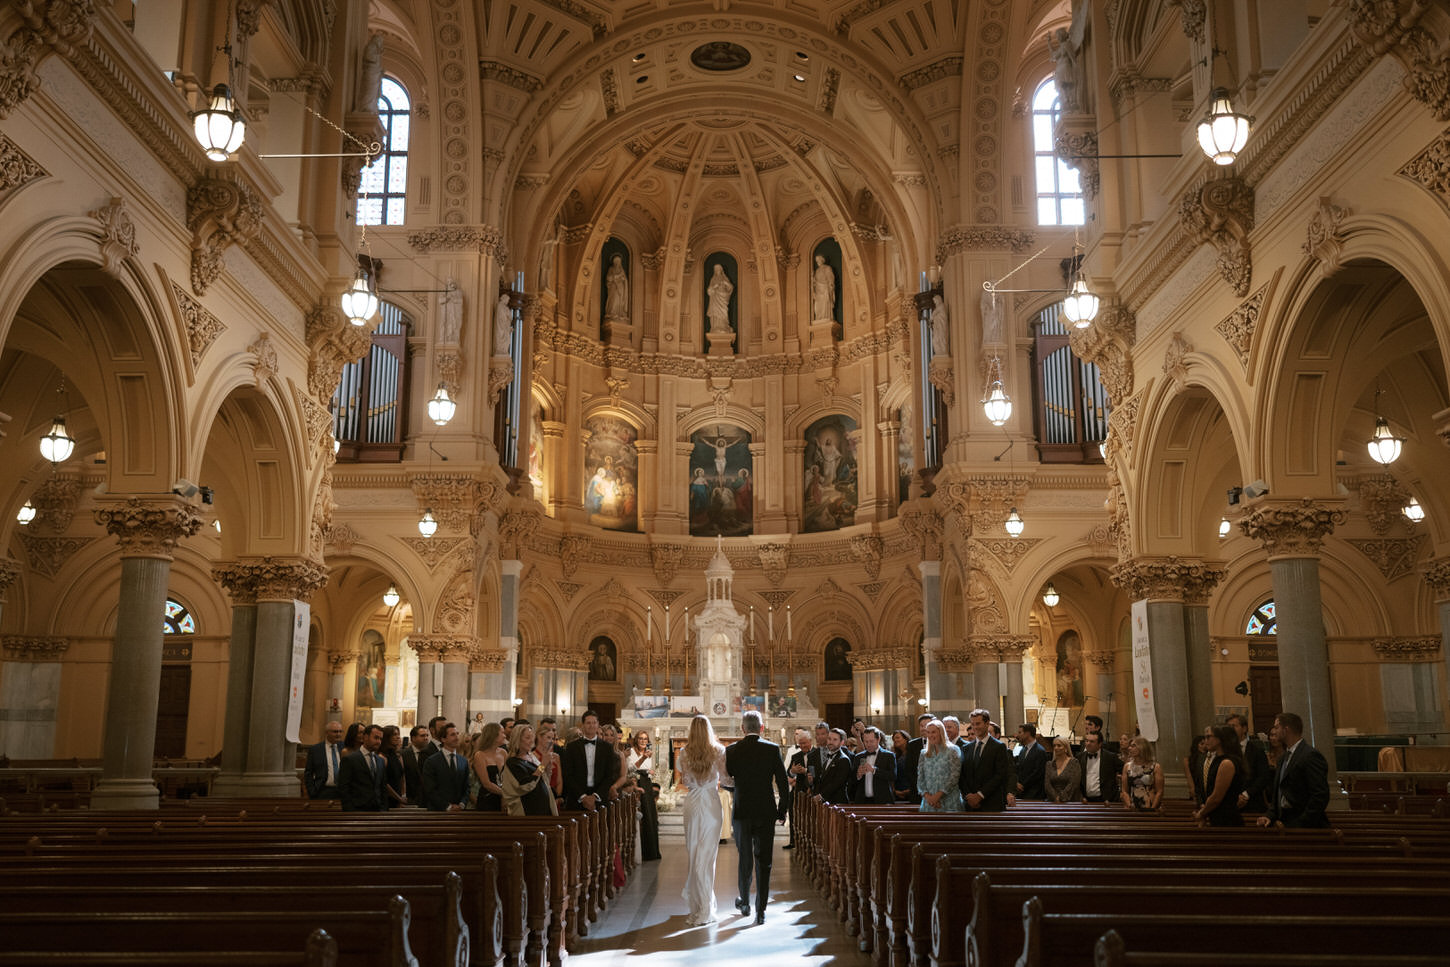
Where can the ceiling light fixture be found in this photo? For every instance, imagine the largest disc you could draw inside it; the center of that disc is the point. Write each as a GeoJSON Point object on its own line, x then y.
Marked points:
{"type": "Point", "coordinates": [1014, 524]}
{"type": "Point", "coordinates": [57, 445]}
{"type": "Point", "coordinates": [26, 513]}
{"type": "Point", "coordinates": [1413, 511]}
{"type": "Point", "coordinates": [427, 524]}
{"type": "Point", "coordinates": [441, 407]}
{"type": "Point", "coordinates": [391, 596]}
{"type": "Point", "coordinates": [1384, 446]}
{"type": "Point", "coordinates": [1050, 597]}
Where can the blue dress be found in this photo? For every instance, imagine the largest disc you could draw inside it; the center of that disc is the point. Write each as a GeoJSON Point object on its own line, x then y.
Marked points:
{"type": "Point", "coordinates": [937, 773]}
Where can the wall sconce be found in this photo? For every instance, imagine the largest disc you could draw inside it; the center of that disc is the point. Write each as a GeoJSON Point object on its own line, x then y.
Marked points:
{"type": "Point", "coordinates": [1223, 528]}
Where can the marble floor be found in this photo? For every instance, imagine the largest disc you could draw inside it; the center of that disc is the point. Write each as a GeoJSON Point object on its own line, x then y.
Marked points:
{"type": "Point", "coordinates": [647, 919]}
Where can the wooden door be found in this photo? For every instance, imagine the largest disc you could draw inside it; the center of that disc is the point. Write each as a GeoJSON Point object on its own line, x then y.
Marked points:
{"type": "Point", "coordinates": [171, 711]}
{"type": "Point", "coordinates": [1266, 697]}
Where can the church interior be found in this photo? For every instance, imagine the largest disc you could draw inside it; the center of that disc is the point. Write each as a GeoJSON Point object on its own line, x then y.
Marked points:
{"type": "Point", "coordinates": [377, 359]}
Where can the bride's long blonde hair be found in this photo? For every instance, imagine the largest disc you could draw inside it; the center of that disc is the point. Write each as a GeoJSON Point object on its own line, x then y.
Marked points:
{"type": "Point", "coordinates": [701, 748]}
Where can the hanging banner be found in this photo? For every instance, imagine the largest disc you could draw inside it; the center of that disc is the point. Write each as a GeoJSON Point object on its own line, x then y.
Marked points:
{"type": "Point", "coordinates": [301, 621]}
{"type": "Point", "coordinates": [1143, 673]}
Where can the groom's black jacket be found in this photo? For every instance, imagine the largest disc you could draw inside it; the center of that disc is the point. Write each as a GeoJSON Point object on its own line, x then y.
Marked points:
{"type": "Point", "coordinates": [753, 763]}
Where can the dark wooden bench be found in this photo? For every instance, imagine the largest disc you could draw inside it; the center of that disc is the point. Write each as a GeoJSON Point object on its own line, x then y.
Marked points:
{"type": "Point", "coordinates": [320, 950]}
{"type": "Point", "coordinates": [1110, 951]}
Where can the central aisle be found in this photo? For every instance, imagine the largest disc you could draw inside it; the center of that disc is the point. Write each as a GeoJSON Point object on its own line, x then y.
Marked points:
{"type": "Point", "coordinates": [647, 919]}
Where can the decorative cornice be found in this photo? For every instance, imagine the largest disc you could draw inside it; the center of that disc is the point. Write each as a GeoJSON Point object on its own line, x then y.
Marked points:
{"type": "Point", "coordinates": [883, 658]}
{"type": "Point", "coordinates": [48, 26]}
{"type": "Point", "coordinates": [219, 213]}
{"type": "Point", "coordinates": [931, 73]}
{"type": "Point", "coordinates": [558, 658]}
{"type": "Point", "coordinates": [34, 647]}
{"type": "Point", "coordinates": [484, 239]}
{"type": "Point", "coordinates": [147, 527]}
{"type": "Point", "coordinates": [492, 70]}
{"type": "Point", "coordinates": [1398, 27]}
{"type": "Point", "coordinates": [1292, 529]}
{"type": "Point", "coordinates": [968, 238]}
{"type": "Point", "coordinates": [1415, 648]}
{"type": "Point", "coordinates": [1221, 213]}
{"type": "Point", "coordinates": [1167, 579]}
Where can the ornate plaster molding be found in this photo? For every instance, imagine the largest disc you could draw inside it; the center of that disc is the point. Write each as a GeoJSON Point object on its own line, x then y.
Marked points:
{"type": "Point", "coordinates": [47, 26]}
{"type": "Point", "coordinates": [955, 659]}
{"type": "Point", "coordinates": [939, 373]}
{"type": "Point", "coordinates": [147, 527]}
{"type": "Point", "coordinates": [1383, 499]}
{"type": "Point", "coordinates": [1175, 360]}
{"type": "Point", "coordinates": [1293, 529]}
{"type": "Point", "coordinates": [16, 167]}
{"type": "Point", "coordinates": [9, 571]}
{"type": "Point", "coordinates": [270, 579]}
{"type": "Point", "coordinates": [55, 502]}
{"type": "Point", "coordinates": [118, 235]}
{"type": "Point", "coordinates": [1193, 14]}
{"type": "Point", "coordinates": [1238, 327]}
{"type": "Point", "coordinates": [573, 548]}
{"type": "Point", "coordinates": [443, 647]}
{"type": "Point", "coordinates": [332, 343]}
{"type": "Point", "coordinates": [338, 660]}
{"type": "Point", "coordinates": [1430, 169]}
{"type": "Point", "coordinates": [1108, 344]}
{"type": "Point", "coordinates": [202, 327]}
{"type": "Point", "coordinates": [264, 360]}
{"type": "Point", "coordinates": [1420, 43]}
{"type": "Point", "coordinates": [1167, 578]}
{"type": "Point", "coordinates": [1077, 145]}
{"type": "Point", "coordinates": [1102, 660]}
{"type": "Point", "coordinates": [1436, 572]}
{"type": "Point", "coordinates": [516, 528]}
{"type": "Point", "coordinates": [1324, 236]}
{"type": "Point", "coordinates": [665, 559]}
{"type": "Point", "coordinates": [1221, 213]}
{"type": "Point", "coordinates": [484, 239]}
{"type": "Point", "coordinates": [1410, 648]}
{"type": "Point", "coordinates": [866, 549]}
{"type": "Point", "coordinates": [34, 647]}
{"type": "Point", "coordinates": [1395, 557]}
{"type": "Point", "coordinates": [48, 555]}
{"type": "Point", "coordinates": [975, 238]}
{"type": "Point", "coordinates": [490, 660]}
{"type": "Point", "coordinates": [774, 560]}
{"type": "Point", "coordinates": [220, 213]}
{"type": "Point", "coordinates": [924, 524]}
{"type": "Point", "coordinates": [1006, 551]}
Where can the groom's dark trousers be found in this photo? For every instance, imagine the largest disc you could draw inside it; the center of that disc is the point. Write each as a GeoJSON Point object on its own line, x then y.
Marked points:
{"type": "Point", "coordinates": [754, 764]}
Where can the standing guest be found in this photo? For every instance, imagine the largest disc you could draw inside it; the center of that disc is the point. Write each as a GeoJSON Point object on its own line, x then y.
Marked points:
{"type": "Point", "coordinates": [985, 768]}
{"type": "Point", "coordinates": [1275, 751]}
{"type": "Point", "coordinates": [625, 777]}
{"type": "Point", "coordinates": [1101, 770]}
{"type": "Point", "coordinates": [360, 775]}
{"type": "Point", "coordinates": [797, 774]}
{"type": "Point", "coordinates": [875, 770]}
{"type": "Point", "coordinates": [1194, 766]}
{"type": "Point", "coordinates": [816, 760]}
{"type": "Point", "coordinates": [1299, 795]}
{"type": "Point", "coordinates": [590, 766]}
{"type": "Point", "coordinates": [938, 771]}
{"type": "Point", "coordinates": [546, 741]}
{"type": "Point", "coordinates": [1225, 779]}
{"type": "Point", "coordinates": [525, 789]}
{"type": "Point", "coordinates": [900, 743]}
{"type": "Point", "coordinates": [354, 739]}
{"type": "Point", "coordinates": [395, 777]}
{"type": "Point", "coordinates": [507, 724]}
{"type": "Point", "coordinates": [445, 775]}
{"type": "Point", "coordinates": [858, 731]}
{"type": "Point", "coordinates": [1030, 763]}
{"type": "Point", "coordinates": [995, 731]}
{"type": "Point", "coordinates": [1062, 779]}
{"type": "Point", "coordinates": [320, 774]}
{"type": "Point", "coordinates": [953, 726]}
{"type": "Point", "coordinates": [1257, 774]}
{"type": "Point", "coordinates": [487, 764]}
{"type": "Point", "coordinates": [640, 761]}
{"type": "Point", "coordinates": [755, 765]}
{"type": "Point", "coordinates": [906, 767]}
{"type": "Point", "coordinates": [1142, 780]}
{"type": "Point", "coordinates": [418, 749]}
{"type": "Point", "coordinates": [833, 783]}
{"type": "Point", "coordinates": [435, 731]}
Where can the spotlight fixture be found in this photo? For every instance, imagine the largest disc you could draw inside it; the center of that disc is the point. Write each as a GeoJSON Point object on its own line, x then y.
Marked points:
{"type": "Point", "coordinates": [391, 596]}
{"type": "Point", "coordinates": [1014, 524]}
{"type": "Point", "coordinates": [1412, 510]}
{"type": "Point", "coordinates": [441, 408]}
{"type": "Point", "coordinates": [1223, 133]}
{"type": "Point", "coordinates": [427, 524]}
{"type": "Point", "coordinates": [26, 513]}
{"type": "Point", "coordinates": [1050, 597]}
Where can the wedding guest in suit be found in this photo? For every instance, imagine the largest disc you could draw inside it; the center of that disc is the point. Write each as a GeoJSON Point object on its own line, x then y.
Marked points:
{"type": "Point", "coordinates": [1299, 795]}
{"type": "Point", "coordinates": [445, 775]}
{"type": "Point", "coordinates": [1225, 779]}
{"type": "Point", "coordinates": [985, 768]}
{"type": "Point", "coordinates": [1030, 763]}
{"type": "Point", "coordinates": [875, 770]}
{"type": "Point", "coordinates": [816, 759]}
{"type": "Point", "coordinates": [1062, 779]}
{"type": "Point", "coordinates": [908, 764]}
{"type": "Point", "coordinates": [939, 771]}
{"type": "Point", "coordinates": [833, 783]}
{"type": "Point", "coordinates": [755, 764]}
{"type": "Point", "coordinates": [524, 780]}
{"type": "Point", "coordinates": [1101, 770]}
{"type": "Point", "coordinates": [996, 732]}
{"type": "Point", "coordinates": [319, 776]}
{"type": "Point", "coordinates": [360, 775]}
{"type": "Point", "coordinates": [953, 726]}
{"type": "Point", "coordinates": [395, 784]}
{"type": "Point", "coordinates": [589, 764]}
{"type": "Point", "coordinates": [418, 749]}
{"type": "Point", "coordinates": [1257, 773]}
{"type": "Point", "coordinates": [798, 776]}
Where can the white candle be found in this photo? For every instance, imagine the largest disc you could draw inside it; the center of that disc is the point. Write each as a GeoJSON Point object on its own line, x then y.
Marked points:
{"type": "Point", "coordinates": [667, 622]}
{"type": "Point", "coordinates": [648, 612]}
{"type": "Point", "coordinates": [770, 623]}
{"type": "Point", "coordinates": [752, 622]}
{"type": "Point", "coordinates": [787, 622]}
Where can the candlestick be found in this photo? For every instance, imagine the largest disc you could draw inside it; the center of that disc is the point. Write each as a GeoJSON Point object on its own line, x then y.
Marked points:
{"type": "Point", "coordinates": [770, 623]}
{"type": "Point", "coordinates": [787, 622]}
{"type": "Point", "coordinates": [648, 614]}
{"type": "Point", "coordinates": [667, 624]}
{"type": "Point", "coordinates": [752, 622]}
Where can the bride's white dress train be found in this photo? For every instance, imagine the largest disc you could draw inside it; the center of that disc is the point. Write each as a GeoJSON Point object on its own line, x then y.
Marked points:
{"type": "Point", "coordinates": [702, 842]}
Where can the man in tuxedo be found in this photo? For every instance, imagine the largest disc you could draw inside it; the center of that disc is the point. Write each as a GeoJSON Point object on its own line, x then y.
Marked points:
{"type": "Point", "coordinates": [415, 753]}
{"type": "Point", "coordinates": [798, 775]}
{"type": "Point", "coordinates": [1299, 795]}
{"type": "Point", "coordinates": [833, 782]}
{"type": "Point", "coordinates": [1101, 770]}
{"type": "Point", "coordinates": [1030, 763]}
{"type": "Point", "coordinates": [445, 775]}
{"type": "Point", "coordinates": [953, 728]}
{"type": "Point", "coordinates": [1257, 774]}
{"type": "Point", "coordinates": [986, 764]}
{"type": "Point", "coordinates": [754, 764]}
{"type": "Point", "coordinates": [590, 766]}
{"type": "Point", "coordinates": [360, 775]}
{"type": "Point", "coordinates": [875, 772]}
{"type": "Point", "coordinates": [909, 760]}
{"type": "Point", "coordinates": [320, 773]}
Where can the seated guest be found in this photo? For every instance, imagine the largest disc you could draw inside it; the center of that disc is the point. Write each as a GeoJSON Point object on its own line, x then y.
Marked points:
{"type": "Point", "coordinates": [1100, 770]}
{"type": "Point", "coordinates": [1030, 762]}
{"type": "Point", "coordinates": [525, 786]}
{"type": "Point", "coordinates": [1299, 795]}
{"type": "Point", "coordinates": [360, 775]}
{"type": "Point", "coordinates": [1062, 778]}
{"type": "Point", "coordinates": [445, 775]}
{"type": "Point", "coordinates": [875, 770]}
{"type": "Point", "coordinates": [1223, 781]}
{"type": "Point", "coordinates": [939, 771]}
{"type": "Point", "coordinates": [1142, 779]}
{"type": "Point", "coordinates": [487, 764]}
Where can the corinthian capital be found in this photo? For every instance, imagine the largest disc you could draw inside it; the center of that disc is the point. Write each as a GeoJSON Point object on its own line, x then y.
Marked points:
{"type": "Point", "coordinates": [9, 571]}
{"type": "Point", "coordinates": [1437, 575]}
{"type": "Point", "coordinates": [148, 527]}
{"type": "Point", "coordinates": [1295, 529]}
{"type": "Point", "coordinates": [270, 579]}
{"type": "Point", "coordinates": [1167, 578]}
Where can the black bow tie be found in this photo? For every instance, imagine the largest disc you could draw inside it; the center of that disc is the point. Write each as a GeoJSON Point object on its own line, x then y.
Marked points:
{"type": "Point", "coordinates": [1092, 755]}
{"type": "Point", "coordinates": [590, 741]}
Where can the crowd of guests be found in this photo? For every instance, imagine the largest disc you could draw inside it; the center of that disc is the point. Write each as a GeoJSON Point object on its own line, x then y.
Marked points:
{"type": "Point", "coordinates": [512, 766]}
{"type": "Point", "coordinates": [952, 767]}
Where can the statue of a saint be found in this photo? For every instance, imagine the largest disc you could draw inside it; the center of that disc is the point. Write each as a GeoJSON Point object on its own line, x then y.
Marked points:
{"type": "Point", "coordinates": [940, 345]}
{"type": "Point", "coordinates": [370, 76]}
{"type": "Point", "coordinates": [1069, 63]}
{"type": "Point", "coordinates": [616, 284]}
{"type": "Point", "coordinates": [719, 290]}
{"type": "Point", "coordinates": [823, 291]}
{"type": "Point", "coordinates": [503, 326]}
{"type": "Point", "coordinates": [450, 314]}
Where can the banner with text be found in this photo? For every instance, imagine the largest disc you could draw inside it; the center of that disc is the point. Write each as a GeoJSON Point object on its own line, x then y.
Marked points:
{"type": "Point", "coordinates": [1143, 673]}
{"type": "Point", "coordinates": [301, 621]}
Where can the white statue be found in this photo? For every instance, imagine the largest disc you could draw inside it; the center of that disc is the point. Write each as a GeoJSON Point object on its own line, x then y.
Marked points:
{"type": "Point", "coordinates": [370, 76]}
{"type": "Point", "coordinates": [546, 262]}
{"type": "Point", "coordinates": [503, 326]}
{"type": "Point", "coordinates": [992, 307]}
{"type": "Point", "coordinates": [940, 346]}
{"type": "Point", "coordinates": [450, 313]}
{"type": "Point", "coordinates": [719, 290]}
{"type": "Point", "coordinates": [823, 290]}
{"type": "Point", "coordinates": [1069, 62]}
{"type": "Point", "coordinates": [616, 284]}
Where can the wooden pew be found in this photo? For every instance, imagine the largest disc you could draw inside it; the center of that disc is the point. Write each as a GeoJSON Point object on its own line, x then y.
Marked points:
{"type": "Point", "coordinates": [320, 950]}
{"type": "Point", "coordinates": [1110, 951]}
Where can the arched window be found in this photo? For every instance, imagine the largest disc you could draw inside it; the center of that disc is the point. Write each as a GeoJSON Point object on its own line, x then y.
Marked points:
{"type": "Point", "coordinates": [1263, 621]}
{"type": "Point", "coordinates": [178, 620]}
{"type": "Point", "coordinates": [384, 182]}
{"type": "Point", "coordinates": [1059, 193]}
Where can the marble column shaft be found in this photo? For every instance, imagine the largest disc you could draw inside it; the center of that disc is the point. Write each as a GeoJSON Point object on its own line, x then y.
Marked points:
{"type": "Point", "coordinates": [239, 689]}
{"type": "Point", "coordinates": [988, 687]}
{"type": "Point", "coordinates": [1170, 687]}
{"type": "Point", "coordinates": [1200, 664]}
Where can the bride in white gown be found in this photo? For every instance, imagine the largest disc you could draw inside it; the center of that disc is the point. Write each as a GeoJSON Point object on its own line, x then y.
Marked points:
{"type": "Point", "coordinates": [702, 767]}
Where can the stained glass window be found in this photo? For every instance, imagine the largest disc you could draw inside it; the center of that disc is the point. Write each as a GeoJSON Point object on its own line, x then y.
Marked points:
{"type": "Point", "coordinates": [1263, 620]}
{"type": "Point", "coordinates": [178, 620]}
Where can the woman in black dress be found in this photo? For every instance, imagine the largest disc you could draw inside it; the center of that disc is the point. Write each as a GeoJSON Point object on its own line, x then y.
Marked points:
{"type": "Point", "coordinates": [525, 790]}
{"type": "Point", "coordinates": [395, 791]}
{"type": "Point", "coordinates": [640, 759]}
{"type": "Point", "coordinates": [487, 763]}
{"type": "Point", "coordinates": [1225, 779]}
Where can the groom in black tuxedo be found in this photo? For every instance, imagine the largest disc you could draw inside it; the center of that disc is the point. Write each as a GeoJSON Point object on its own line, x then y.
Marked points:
{"type": "Point", "coordinates": [753, 764]}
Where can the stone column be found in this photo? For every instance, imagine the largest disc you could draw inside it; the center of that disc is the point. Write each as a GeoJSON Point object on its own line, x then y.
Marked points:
{"type": "Point", "coordinates": [341, 682]}
{"type": "Point", "coordinates": [147, 529]}
{"type": "Point", "coordinates": [456, 652]}
{"type": "Point", "coordinates": [1105, 689]}
{"type": "Point", "coordinates": [239, 582]}
{"type": "Point", "coordinates": [988, 687]}
{"type": "Point", "coordinates": [30, 694]}
{"type": "Point", "coordinates": [430, 676]}
{"type": "Point", "coordinates": [1437, 576]}
{"type": "Point", "coordinates": [1013, 649]}
{"type": "Point", "coordinates": [921, 520]}
{"type": "Point", "coordinates": [1292, 532]}
{"type": "Point", "coordinates": [889, 432]}
{"type": "Point", "coordinates": [1199, 580]}
{"type": "Point", "coordinates": [282, 585]}
{"type": "Point", "coordinates": [558, 686]}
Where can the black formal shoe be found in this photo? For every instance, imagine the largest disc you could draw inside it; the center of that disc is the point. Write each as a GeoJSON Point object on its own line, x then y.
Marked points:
{"type": "Point", "coordinates": [743, 906]}
{"type": "Point", "coordinates": [760, 917]}
{"type": "Point", "coordinates": [788, 846]}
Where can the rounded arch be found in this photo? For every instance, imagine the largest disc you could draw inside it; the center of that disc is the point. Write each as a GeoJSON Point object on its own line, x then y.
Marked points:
{"type": "Point", "coordinates": [706, 416]}
{"type": "Point", "coordinates": [623, 409]}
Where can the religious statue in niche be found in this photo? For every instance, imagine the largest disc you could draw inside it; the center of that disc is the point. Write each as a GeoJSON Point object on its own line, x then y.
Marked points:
{"type": "Point", "coordinates": [616, 286]}
{"type": "Point", "coordinates": [829, 492]}
{"type": "Point", "coordinates": [1069, 670]}
{"type": "Point", "coordinates": [372, 670]}
{"type": "Point", "coordinates": [603, 660]}
{"type": "Point", "coordinates": [370, 76]}
{"type": "Point", "coordinates": [837, 664]}
{"type": "Point", "coordinates": [611, 462]}
{"type": "Point", "coordinates": [722, 482]}
{"type": "Point", "coordinates": [450, 314]}
{"type": "Point", "coordinates": [940, 340]}
{"type": "Point", "coordinates": [503, 326]}
{"type": "Point", "coordinates": [719, 291]}
{"type": "Point", "coordinates": [823, 290]}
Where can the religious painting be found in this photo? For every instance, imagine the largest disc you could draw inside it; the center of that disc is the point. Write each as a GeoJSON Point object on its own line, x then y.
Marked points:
{"type": "Point", "coordinates": [829, 492]}
{"type": "Point", "coordinates": [722, 482]}
{"type": "Point", "coordinates": [1069, 670]}
{"type": "Point", "coordinates": [651, 706]}
{"type": "Point", "coordinates": [372, 670]}
{"type": "Point", "coordinates": [612, 463]}
{"type": "Point", "coordinates": [837, 663]}
{"type": "Point", "coordinates": [603, 660]}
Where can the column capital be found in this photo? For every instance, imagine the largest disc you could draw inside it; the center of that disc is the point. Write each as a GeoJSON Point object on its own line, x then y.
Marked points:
{"type": "Point", "coordinates": [1407, 648]}
{"type": "Point", "coordinates": [147, 526]}
{"type": "Point", "coordinates": [9, 571]}
{"type": "Point", "coordinates": [443, 647]}
{"type": "Point", "coordinates": [268, 578]}
{"type": "Point", "coordinates": [882, 658]}
{"type": "Point", "coordinates": [1102, 659]}
{"type": "Point", "coordinates": [34, 647]}
{"type": "Point", "coordinates": [338, 659]}
{"type": "Point", "coordinates": [1015, 647]}
{"type": "Point", "coordinates": [955, 659]}
{"type": "Point", "coordinates": [1292, 528]}
{"type": "Point", "coordinates": [482, 659]}
{"type": "Point", "coordinates": [1169, 578]}
{"type": "Point", "coordinates": [1436, 572]}
{"type": "Point", "coordinates": [558, 658]}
